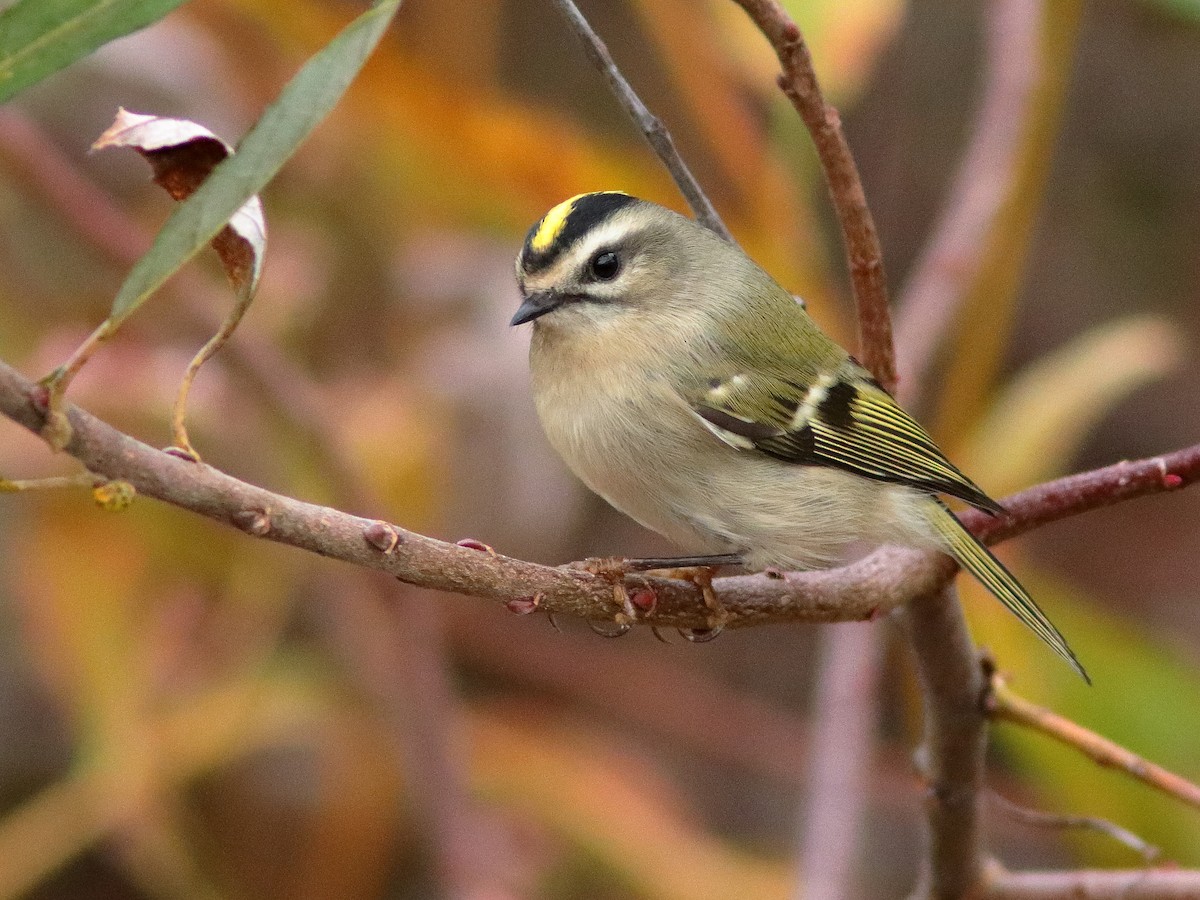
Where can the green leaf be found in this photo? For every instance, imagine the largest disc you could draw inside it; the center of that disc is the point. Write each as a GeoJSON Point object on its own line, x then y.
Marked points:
{"type": "Point", "coordinates": [39, 37]}
{"type": "Point", "coordinates": [300, 107]}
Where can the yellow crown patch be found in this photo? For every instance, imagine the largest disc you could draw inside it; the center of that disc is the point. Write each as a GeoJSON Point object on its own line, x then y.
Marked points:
{"type": "Point", "coordinates": [552, 224]}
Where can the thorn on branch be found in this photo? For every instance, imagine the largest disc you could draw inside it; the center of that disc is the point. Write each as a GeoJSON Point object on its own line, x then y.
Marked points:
{"type": "Point", "coordinates": [39, 397]}
{"type": "Point", "coordinates": [1169, 479]}
{"type": "Point", "coordinates": [644, 599]}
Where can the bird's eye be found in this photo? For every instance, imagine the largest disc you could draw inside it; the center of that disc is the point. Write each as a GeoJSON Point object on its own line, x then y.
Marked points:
{"type": "Point", "coordinates": [604, 266]}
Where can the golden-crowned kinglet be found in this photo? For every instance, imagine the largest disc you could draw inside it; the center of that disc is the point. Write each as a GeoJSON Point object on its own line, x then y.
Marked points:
{"type": "Point", "coordinates": [683, 385]}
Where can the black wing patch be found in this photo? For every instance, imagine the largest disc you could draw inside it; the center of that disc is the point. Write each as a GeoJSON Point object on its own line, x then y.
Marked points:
{"type": "Point", "coordinates": [851, 425]}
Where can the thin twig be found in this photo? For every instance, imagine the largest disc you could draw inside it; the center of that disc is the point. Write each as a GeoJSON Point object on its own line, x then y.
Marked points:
{"type": "Point", "coordinates": [846, 710]}
{"type": "Point", "coordinates": [950, 262]}
{"type": "Point", "coordinates": [53, 482]}
{"type": "Point", "coordinates": [1039, 819]}
{"type": "Point", "coordinates": [1062, 498]}
{"type": "Point", "coordinates": [863, 254]}
{"type": "Point", "coordinates": [1136, 884]}
{"type": "Point", "coordinates": [955, 740]}
{"type": "Point", "coordinates": [651, 126]}
{"type": "Point", "coordinates": [1003, 704]}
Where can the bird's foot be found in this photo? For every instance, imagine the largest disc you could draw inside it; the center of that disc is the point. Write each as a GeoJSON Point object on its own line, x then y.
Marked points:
{"type": "Point", "coordinates": [702, 577]}
{"type": "Point", "coordinates": [612, 569]}
{"type": "Point", "coordinates": [697, 569]}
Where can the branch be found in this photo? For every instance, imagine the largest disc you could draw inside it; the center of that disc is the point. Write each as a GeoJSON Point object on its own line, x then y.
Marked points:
{"type": "Point", "coordinates": [1003, 704]}
{"type": "Point", "coordinates": [1074, 494]}
{"type": "Point", "coordinates": [855, 592]}
{"type": "Point", "coordinates": [652, 127]}
{"type": "Point", "coordinates": [866, 589]}
{"type": "Point", "coordinates": [1137, 884]}
{"type": "Point", "coordinates": [863, 254]}
{"type": "Point", "coordinates": [952, 257]}
{"type": "Point", "coordinates": [955, 740]}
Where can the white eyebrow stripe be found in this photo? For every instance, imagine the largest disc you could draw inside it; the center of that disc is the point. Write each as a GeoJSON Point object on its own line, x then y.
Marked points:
{"type": "Point", "coordinates": [605, 236]}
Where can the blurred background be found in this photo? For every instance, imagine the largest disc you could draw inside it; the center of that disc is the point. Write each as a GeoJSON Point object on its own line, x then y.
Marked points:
{"type": "Point", "coordinates": [186, 712]}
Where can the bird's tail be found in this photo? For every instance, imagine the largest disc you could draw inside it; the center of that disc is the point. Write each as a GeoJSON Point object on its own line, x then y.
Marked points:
{"type": "Point", "coordinates": [990, 572]}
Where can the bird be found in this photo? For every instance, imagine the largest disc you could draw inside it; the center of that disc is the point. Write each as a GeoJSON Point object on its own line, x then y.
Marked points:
{"type": "Point", "coordinates": [685, 386]}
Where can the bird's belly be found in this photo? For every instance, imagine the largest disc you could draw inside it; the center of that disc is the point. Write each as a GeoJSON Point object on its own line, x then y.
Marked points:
{"type": "Point", "coordinates": [677, 479]}
{"type": "Point", "coordinates": [641, 469]}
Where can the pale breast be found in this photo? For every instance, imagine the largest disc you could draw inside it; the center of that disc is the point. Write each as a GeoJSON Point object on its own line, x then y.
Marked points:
{"type": "Point", "coordinates": [630, 438]}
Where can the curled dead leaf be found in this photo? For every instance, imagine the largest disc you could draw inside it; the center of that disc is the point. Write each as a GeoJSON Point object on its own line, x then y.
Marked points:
{"type": "Point", "coordinates": [182, 154]}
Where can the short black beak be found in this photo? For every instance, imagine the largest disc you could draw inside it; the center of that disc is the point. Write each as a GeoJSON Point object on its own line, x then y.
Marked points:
{"type": "Point", "coordinates": [536, 305]}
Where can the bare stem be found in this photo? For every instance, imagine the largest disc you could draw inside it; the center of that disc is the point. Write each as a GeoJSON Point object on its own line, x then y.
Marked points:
{"type": "Point", "coordinates": [53, 482]}
{"type": "Point", "coordinates": [651, 126]}
{"type": "Point", "coordinates": [57, 431]}
{"type": "Point", "coordinates": [884, 580]}
{"type": "Point", "coordinates": [863, 254]}
{"type": "Point", "coordinates": [245, 293]}
{"type": "Point", "coordinates": [1039, 819]}
{"type": "Point", "coordinates": [1003, 704]}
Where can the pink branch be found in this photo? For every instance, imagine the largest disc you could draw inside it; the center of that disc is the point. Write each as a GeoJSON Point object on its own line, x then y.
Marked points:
{"type": "Point", "coordinates": [847, 707]}
{"type": "Point", "coordinates": [884, 580]}
{"type": "Point", "coordinates": [950, 262]}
